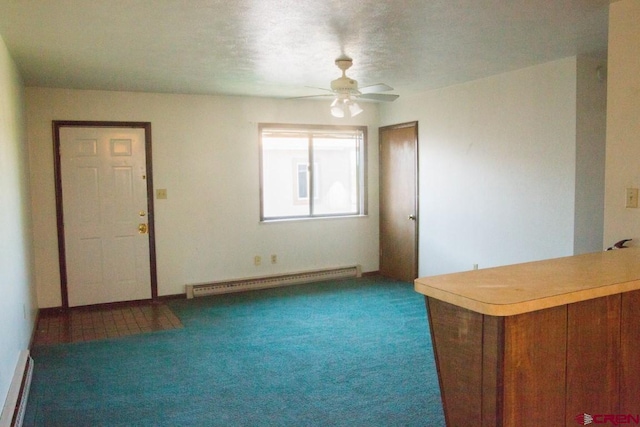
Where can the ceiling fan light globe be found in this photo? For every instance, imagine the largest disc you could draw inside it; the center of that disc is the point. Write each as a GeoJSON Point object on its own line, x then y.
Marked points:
{"type": "Point", "coordinates": [337, 107]}
{"type": "Point", "coordinates": [354, 109]}
{"type": "Point", "coordinates": [337, 111]}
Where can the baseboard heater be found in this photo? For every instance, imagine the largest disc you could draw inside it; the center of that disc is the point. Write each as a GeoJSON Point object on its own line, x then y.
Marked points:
{"type": "Point", "coordinates": [204, 289]}
{"type": "Point", "coordinates": [16, 402]}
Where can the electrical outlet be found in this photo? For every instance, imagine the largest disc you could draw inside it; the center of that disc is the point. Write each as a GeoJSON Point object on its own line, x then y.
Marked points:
{"type": "Point", "coordinates": [257, 260]}
{"type": "Point", "coordinates": [274, 259]}
{"type": "Point", "coordinates": [631, 198]}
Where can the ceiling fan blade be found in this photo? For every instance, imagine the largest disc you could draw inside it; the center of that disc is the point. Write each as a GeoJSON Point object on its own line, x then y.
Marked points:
{"type": "Point", "coordinates": [379, 97]}
{"type": "Point", "coordinates": [378, 87]}
{"type": "Point", "coordinates": [319, 88]}
{"type": "Point", "coordinates": [312, 96]}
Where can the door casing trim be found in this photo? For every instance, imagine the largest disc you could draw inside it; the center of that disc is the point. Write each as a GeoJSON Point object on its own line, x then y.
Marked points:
{"type": "Point", "coordinates": [56, 125]}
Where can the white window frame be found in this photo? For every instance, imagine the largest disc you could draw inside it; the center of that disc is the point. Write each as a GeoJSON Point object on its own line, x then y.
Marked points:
{"type": "Point", "coordinates": [310, 131]}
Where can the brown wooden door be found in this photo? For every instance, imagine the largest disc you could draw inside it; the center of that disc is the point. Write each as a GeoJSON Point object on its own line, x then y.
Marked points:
{"type": "Point", "coordinates": [398, 201]}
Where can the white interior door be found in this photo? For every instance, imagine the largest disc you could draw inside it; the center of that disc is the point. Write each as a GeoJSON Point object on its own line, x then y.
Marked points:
{"type": "Point", "coordinates": [104, 198]}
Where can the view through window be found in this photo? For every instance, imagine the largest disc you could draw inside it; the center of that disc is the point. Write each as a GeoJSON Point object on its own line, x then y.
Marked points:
{"type": "Point", "coordinates": [312, 171]}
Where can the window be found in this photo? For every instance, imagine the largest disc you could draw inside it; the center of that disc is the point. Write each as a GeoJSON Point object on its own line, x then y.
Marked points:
{"type": "Point", "coordinates": [311, 171]}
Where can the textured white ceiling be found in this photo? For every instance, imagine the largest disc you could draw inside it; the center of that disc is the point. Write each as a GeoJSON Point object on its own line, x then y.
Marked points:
{"type": "Point", "coordinates": [280, 48]}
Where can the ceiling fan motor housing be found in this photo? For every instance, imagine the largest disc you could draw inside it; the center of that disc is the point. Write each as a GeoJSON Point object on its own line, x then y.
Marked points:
{"type": "Point", "coordinates": [345, 85]}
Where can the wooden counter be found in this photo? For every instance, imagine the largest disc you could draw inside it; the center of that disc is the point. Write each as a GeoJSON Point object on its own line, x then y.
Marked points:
{"type": "Point", "coordinates": [539, 343]}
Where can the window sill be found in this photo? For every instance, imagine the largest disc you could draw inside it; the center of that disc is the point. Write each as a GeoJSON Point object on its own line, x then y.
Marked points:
{"type": "Point", "coordinates": [311, 218]}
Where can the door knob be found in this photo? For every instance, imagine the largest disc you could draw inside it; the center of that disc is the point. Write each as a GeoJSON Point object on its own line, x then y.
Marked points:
{"type": "Point", "coordinates": [412, 217]}
{"type": "Point", "coordinates": [142, 228]}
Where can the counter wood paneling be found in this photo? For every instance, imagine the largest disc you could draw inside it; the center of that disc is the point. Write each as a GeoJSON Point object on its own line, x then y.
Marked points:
{"type": "Point", "coordinates": [538, 343]}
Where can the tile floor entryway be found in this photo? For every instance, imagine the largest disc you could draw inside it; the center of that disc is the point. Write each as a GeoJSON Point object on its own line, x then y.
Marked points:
{"type": "Point", "coordinates": [94, 323]}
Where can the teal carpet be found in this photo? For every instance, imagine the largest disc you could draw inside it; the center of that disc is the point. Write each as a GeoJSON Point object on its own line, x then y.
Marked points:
{"type": "Point", "coordinates": [343, 353]}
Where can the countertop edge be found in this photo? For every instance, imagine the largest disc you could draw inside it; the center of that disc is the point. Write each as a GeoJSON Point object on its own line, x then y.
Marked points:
{"type": "Point", "coordinates": [502, 310]}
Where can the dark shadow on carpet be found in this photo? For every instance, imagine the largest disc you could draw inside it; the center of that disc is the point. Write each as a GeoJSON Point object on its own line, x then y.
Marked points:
{"type": "Point", "coordinates": [341, 353]}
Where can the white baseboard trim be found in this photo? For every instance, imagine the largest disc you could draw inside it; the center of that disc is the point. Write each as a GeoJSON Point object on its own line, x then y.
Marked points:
{"type": "Point", "coordinates": [16, 402]}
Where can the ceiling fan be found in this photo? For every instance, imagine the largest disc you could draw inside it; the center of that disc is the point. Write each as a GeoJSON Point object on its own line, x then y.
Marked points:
{"type": "Point", "coordinates": [346, 91]}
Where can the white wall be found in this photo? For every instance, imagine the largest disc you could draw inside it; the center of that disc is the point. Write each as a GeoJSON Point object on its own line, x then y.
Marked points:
{"type": "Point", "coordinates": [623, 122]}
{"type": "Point", "coordinates": [205, 153]}
{"type": "Point", "coordinates": [17, 293]}
{"type": "Point", "coordinates": [497, 162]}
{"type": "Point", "coordinates": [591, 126]}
